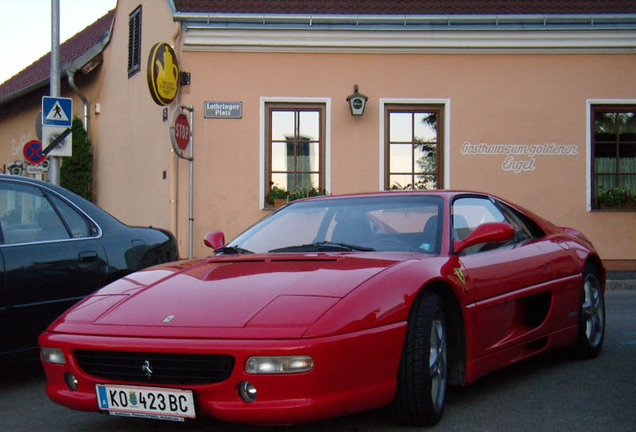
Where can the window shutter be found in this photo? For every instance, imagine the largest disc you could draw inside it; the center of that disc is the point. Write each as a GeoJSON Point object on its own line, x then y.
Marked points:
{"type": "Point", "coordinates": [134, 41]}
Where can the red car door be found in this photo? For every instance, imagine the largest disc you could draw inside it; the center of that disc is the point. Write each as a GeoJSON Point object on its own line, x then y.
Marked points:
{"type": "Point", "coordinates": [510, 285]}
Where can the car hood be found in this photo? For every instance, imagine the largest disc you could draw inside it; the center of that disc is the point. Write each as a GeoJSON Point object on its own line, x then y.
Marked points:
{"type": "Point", "coordinates": [225, 297]}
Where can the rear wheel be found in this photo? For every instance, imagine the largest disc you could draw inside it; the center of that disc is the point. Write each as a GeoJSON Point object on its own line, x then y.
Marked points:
{"type": "Point", "coordinates": [422, 377]}
{"type": "Point", "coordinates": [591, 316]}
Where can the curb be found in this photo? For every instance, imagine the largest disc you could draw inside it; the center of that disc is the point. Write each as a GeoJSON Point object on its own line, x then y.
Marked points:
{"type": "Point", "coordinates": [622, 284]}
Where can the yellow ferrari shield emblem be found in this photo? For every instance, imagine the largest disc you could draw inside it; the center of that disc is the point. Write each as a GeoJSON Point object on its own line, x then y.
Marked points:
{"type": "Point", "coordinates": [460, 275]}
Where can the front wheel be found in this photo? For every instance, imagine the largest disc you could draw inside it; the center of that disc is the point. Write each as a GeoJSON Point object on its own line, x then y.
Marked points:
{"type": "Point", "coordinates": [591, 329]}
{"type": "Point", "coordinates": [422, 376]}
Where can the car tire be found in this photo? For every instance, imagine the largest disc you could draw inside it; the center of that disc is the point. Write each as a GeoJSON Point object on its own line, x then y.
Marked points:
{"type": "Point", "coordinates": [422, 375]}
{"type": "Point", "coordinates": [591, 325]}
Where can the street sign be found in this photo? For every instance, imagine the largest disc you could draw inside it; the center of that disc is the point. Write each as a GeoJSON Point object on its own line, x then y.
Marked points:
{"type": "Point", "coordinates": [50, 134]}
{"type": "Point", "coordinates": [223, 110]}
{"type": "Point", "coordinates": [182, 131]}
{"type": "Point", "coordinates": [57, 111]}
{"type": "Point", "coordinates": [38, 169]}
{"type": "Point", "coordinates": [32, 152]}
{"type": "Point", "coordinates": [16, 168]}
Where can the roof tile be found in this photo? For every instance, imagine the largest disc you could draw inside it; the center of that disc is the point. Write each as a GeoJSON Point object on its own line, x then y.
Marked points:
{"type": "Point", "coordinates": [408, 7]}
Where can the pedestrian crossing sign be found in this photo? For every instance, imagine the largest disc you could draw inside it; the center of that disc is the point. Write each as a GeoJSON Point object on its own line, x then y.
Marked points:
{"type": "Point", "coordinates": [57, 111]}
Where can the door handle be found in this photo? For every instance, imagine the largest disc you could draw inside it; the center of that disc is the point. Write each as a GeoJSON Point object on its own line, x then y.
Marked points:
{"type": "Point", "coordinates": [87, 256]}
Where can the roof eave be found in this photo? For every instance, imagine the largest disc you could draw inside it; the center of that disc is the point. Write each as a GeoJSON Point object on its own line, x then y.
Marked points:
{"type": "Point", "coordinates": [64, 69]}
{"type": "Point", "coordinates": [410, 22]}
{"type": "Point", "coordinates": [76, 64]}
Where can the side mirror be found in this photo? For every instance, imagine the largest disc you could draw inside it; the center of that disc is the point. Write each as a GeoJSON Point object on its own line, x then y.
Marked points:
{"type": "Point", "coordinates": [214, 239]}
{"type": "Point", "coordinates": [485, 233]}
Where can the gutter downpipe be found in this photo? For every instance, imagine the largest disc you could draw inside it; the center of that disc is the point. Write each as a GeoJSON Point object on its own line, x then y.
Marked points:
{"type": "Point", "coordinates": [71, 82]}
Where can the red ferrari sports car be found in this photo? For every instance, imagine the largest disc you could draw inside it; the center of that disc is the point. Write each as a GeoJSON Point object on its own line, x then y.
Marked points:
{"type": "Point", "coordinates": [329, 306]}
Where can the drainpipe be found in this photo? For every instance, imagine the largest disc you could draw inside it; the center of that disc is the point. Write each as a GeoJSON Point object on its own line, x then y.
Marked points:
{"type": "Point", "coordinates": [71, 83]}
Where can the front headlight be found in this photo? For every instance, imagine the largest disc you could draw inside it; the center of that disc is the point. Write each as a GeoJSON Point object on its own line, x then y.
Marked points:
{"type": "Point", "coordinates": [279, 364]}
{"type": "Point", "coordinates": [53, 355]}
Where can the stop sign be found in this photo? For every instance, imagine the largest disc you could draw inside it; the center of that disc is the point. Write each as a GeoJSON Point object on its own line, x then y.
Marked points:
{"type": "Point", "coordinates": [182, 131]}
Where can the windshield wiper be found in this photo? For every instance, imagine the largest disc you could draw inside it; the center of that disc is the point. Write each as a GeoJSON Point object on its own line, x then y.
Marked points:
{"type": "Point", "coordinates": [231, 250]}
{"type": "Point", "coordinates": [323, 246]}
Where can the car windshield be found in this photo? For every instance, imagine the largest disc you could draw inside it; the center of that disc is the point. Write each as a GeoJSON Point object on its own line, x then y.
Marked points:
{"type": "Point", "coordinates": [406, 223]}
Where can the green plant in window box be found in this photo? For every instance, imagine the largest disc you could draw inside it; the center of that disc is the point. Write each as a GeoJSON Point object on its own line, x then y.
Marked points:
{"type": "Point", "coordinates": [278, 196]}
{"type": "Point", "coordinates": [419, 185]}
{"type": "Point", "coordinates": [304, 192]}
{"type": "Point", "coordinates": [616, 198]}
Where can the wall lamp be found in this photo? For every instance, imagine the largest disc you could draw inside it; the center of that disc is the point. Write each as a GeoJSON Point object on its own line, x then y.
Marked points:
{"type": "Point", "coordinates": [357, 102]}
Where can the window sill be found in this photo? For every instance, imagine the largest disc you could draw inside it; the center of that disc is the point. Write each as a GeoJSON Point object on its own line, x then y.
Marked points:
{"type": "Point", "coordinates": [629, 207]}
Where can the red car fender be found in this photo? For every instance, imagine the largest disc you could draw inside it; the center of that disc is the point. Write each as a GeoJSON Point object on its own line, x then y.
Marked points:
{"type": "Point", "coordinates": [384, 299]}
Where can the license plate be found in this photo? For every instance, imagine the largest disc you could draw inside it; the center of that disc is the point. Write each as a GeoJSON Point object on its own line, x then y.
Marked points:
{"type": "Point", "coordinates": [146, 402]}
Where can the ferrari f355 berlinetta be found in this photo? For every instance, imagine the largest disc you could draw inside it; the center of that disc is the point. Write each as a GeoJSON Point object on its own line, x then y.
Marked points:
{"type": "Point", "coordinates": [333, 305]}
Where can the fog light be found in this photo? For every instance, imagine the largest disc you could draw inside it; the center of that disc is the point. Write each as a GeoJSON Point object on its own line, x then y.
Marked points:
{"type": "Point", "coordinates": [52, 355]}
{"type": "Point", "coordinates": [71, 381]}
{"type": "Point", "coordinates": [279, 364]}
{"type": "Point", "coordinates": [247, 391]}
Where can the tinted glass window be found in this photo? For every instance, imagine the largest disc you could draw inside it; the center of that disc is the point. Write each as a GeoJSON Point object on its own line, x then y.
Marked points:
{"type": "Point", "coordinates": [470, 212]}
{"type": "Point", "coordinates": [27, 216]}
{"type": "Point", "coordinates": [526, 228]}
{"type": "Point", "coordinates": [76, 223]}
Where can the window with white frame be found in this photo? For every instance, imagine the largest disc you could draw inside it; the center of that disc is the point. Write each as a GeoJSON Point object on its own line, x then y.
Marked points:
{"type": "Point", "coordinates": [613, 156]}
{"type": "Point", "coordinates": [294, 150]}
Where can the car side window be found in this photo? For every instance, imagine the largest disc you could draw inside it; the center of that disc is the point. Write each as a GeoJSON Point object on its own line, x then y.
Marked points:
{"type": "Point", "coordinates": [26, 216]}
{"type": "Point", "coordinates": [527, 229]}
{"type": "Point", "coordinates": [77, 224]}
{"type": "Point", "coordinates": [469, 213]}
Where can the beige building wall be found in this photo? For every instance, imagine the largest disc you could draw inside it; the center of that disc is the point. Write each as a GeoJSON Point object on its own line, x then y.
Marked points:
{"type": "Point", "coordinates": [493, 99]}
{"type": "Point", "coordinates": [134, 150]}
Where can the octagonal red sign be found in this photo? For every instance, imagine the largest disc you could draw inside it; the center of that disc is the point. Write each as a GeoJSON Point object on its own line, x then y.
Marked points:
{"type": "Point", "coordinates": [182, 131]}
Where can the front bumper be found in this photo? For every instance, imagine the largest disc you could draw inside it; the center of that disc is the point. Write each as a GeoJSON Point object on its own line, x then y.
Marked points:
{"type": "Point", "coordinates": [352, 373]}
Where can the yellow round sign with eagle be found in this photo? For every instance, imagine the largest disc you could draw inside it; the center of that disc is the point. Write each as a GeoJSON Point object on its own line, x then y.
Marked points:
{"type": "Point", "coordinates": [163, 73]}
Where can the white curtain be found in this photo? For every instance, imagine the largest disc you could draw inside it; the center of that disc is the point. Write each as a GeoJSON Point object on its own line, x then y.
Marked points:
{"type": "Point", "coordinates": [607, 164]}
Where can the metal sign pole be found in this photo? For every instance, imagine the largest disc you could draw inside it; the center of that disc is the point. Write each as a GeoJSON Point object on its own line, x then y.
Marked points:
{"type": "Point", "coordinates": [191, 195]}
{"type": "Point", "coordinates": [190, 159]}
{"type": "Point", "coordinates": [55, 85]}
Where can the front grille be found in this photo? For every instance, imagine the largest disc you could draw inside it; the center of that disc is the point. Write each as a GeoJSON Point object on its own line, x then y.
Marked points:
{"type": "Point", "coordinates": [167, 368]}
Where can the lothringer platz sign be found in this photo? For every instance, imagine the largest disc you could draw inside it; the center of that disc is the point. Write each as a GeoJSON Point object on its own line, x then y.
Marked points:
{"type": "Point", "coordinates": [223, 110]}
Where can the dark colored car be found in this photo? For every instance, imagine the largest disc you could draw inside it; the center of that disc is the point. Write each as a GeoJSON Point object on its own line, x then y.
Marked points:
{"type": "Point", "coordinates": [55, 249]}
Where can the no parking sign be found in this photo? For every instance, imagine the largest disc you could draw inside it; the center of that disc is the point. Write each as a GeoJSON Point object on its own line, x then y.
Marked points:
{"type": "Point", "coordinates": [32, 152]}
